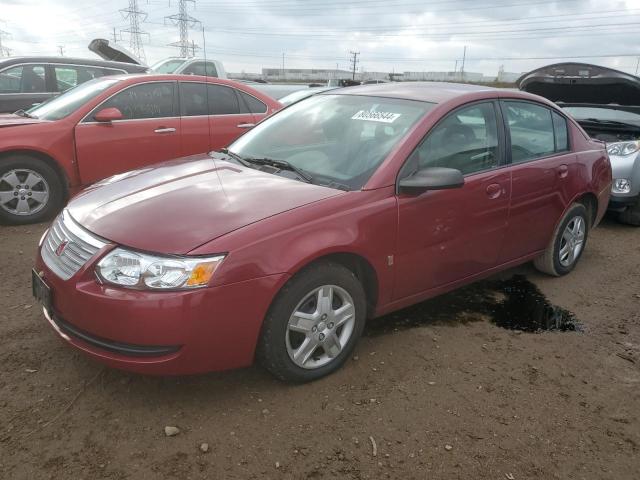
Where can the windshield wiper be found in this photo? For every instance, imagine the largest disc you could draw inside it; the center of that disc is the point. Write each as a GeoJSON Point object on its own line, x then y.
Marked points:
{"type": "Point", "coordinates": [22, 113]}
{"type": "Point", "coordinates": [235, 156]}
{"type": "Point", "coordinates": [282, 165]}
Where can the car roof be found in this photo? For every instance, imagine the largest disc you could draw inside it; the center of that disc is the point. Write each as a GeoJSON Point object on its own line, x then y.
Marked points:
{"type": "Point", "coordinates": [433, 92]}
{"type": "Point", "coordinates": [90, 62]}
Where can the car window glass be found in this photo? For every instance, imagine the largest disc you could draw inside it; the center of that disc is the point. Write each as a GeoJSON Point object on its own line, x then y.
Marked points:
{"type": "Point", "coordinates": [147, 100]}
{"type": "Point", "coordinates": [466, 140]}
{"type": "Point", "coordinates": [250, 104]}
{"type": "Point", "coordinates": [222, 100]}
{"type": "Point", "coordinates": [561, 133]}
{"type": "Point", "coordinates": [201, 68]}
{"type": "Point", "coordinates": [193, 99]}
{"type": "Point", "coordinates": [11, 80]}
{"type": "Point", "coordinates": [531, 130]}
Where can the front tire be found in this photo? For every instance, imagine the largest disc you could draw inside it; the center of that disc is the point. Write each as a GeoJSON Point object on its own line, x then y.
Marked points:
{"type": "Point", "coordinates": [30, 190]}
{"type": "Point", "coordinates": [567, 243]}
{"type": "Point", "coordinates": [314, 324]}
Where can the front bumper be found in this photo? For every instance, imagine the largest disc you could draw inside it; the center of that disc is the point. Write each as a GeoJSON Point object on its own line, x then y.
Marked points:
{"type": "Point", "coordinates": [164, 333]}
{"type": "Point", "coordinates": [619, 203]}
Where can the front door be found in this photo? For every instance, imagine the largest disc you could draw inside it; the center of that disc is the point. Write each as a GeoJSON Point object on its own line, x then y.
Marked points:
{"type": "Point", "coordinates": [448, 235]}
{"type": "Point", "coordinates": [148, 133]}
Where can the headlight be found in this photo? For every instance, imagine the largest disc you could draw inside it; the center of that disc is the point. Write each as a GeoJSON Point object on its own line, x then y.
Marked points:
{"type": "Point", "coordinates": [622, 149]}
{"type": "Point", "coordinates": [140, 270]}
{"type": "Point", "coordinates": [621, 185]}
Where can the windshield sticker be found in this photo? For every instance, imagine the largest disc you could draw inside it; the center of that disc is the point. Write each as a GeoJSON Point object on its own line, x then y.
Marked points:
{"type": "Point", "coordinates": [383, 117]}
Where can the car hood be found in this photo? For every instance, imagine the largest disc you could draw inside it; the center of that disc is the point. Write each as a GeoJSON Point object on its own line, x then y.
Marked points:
{"type": "Point", "coordinates": [112, 52]}
{"type": "Point", "coordinates": [177, 206]}
{"type": "Point", "coordinates": [582, 83]}
{"type": "Point", "coordinates": [11, 120]}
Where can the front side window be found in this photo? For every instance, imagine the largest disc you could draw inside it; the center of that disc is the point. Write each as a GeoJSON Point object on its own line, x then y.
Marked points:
{"type": "Point", "coordinates": [531, 129]}
{"type": "Point", "coordinates": [23, 79]}
{"type": "Point", "coordinates": [67, 103]}
{"type": "Point", "coordinates": [146, 100]}
{"type": "Point", "coordinates": [168, 66]}
{"type": "Point", "coordinates": [466, 140]}
{"type": "Point", "coordinates": [340, 140]}
{"type": "Point", "coordinates": [207, 69]}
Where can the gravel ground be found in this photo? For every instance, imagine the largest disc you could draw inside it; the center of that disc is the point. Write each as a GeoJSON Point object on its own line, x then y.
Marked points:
{"type": "Point", "coordinates": [441, 391]}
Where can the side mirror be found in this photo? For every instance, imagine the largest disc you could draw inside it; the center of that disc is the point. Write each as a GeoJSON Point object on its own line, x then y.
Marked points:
{"type": "Point", "coordinates": [108, 115]}
{"type": "Point", "coordinates": [435, 178]}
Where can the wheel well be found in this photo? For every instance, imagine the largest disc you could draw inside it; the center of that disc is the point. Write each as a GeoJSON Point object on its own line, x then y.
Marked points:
{"type": "Point", "coordinates": [590, 202]}
{"type": "Point", "coordinates": [45, 158]}
{"type": "Point", "coordinates": [363, 271]}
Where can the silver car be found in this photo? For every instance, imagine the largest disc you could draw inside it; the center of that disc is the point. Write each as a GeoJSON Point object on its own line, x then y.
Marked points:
{"type": "Point", "coordinates": [606, 103]}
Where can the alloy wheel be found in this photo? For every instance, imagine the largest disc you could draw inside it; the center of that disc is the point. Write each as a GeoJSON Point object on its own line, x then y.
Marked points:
{"type": "Point", "coordinates": [23, 192]}
{"type": "Point", "coordinates": [321, 325]}
{"type": "Point", "coordinates": [572, 241]}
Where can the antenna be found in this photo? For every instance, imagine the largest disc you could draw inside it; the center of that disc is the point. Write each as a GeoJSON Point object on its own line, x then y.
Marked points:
{"type": "Point", "coordinates": [206, 87]}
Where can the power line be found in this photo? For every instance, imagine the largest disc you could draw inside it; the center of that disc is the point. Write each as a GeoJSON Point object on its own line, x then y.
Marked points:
{"type": "Point", "coordinates": [184, 21]}
{"type": "Point", "coordinates": [133, 14]}
{"type": "Point", "coordinates": [4, 51]}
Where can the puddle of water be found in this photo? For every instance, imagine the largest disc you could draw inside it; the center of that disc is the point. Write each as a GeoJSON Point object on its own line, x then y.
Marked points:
{"type": "Point", "coordinates": [514, 304]}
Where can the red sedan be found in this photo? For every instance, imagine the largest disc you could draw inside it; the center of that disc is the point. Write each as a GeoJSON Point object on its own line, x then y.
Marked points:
{"type": "Point", "coordinates": [342, 207]}
{"type": "Point", "coordinates": [113, 124]}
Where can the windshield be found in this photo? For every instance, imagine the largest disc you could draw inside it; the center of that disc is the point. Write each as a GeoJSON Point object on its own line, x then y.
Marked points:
{"type": "Point", "coordinates": [67, 103]}
{"type": "Point", "coordinates": [168, 66]}
{"type": "Point", "coordinates": [607, 114]}
{"type": "Point", "coordinates": [340, 140]}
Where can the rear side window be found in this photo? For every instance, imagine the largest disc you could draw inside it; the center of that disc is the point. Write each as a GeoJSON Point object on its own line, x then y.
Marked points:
{"type": "Point", "coordinates": [223, 100]}
{"type": "Point", "coordinates": [561, 132]}
{"type": "Point", "coordinates": [250, 104]}
{"type": "Point", "coordinates": [147, 100]}
{"type": "Point", "coordinates": [535, 131]}
{"type": "Point", "coordinates": [69, 76]}
{"type": "Point", "coordinates": [23, 79]}
{"type": "Point", "coordinates": [207, 69]}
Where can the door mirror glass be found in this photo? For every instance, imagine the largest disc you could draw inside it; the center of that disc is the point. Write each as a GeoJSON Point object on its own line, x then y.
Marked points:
{"type": "Point", "coordinates": [108, 115]}
{"type": "Point", "coordinates": [433, 178]}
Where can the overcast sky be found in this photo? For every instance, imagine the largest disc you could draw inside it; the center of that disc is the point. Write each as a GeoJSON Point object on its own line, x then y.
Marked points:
{"type": "Point", "coordinates": [400, 35]}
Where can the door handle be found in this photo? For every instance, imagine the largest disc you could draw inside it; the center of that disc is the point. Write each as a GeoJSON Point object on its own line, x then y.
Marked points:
{"type": "Point", "coordinates": [164, 130]}
{"type": "Point", "coordinates": [494, 190]}
{"type": "Point", "coordinates": [246, 125]}
{"type": "Point", "coordinates": [563, 171]}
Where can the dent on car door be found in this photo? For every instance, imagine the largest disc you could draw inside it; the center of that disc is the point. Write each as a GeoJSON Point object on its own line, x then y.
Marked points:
{"type": "Point", "coordinates": [542, 164]}
{"type": "Point", "coordinates": [148, 133]}
{"type": "Point", "coordinates": [447, 235]}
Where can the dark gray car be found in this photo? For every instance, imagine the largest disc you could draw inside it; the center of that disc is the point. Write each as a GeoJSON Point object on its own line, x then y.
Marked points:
{"type": "Point", "coordinates": [25, 81]}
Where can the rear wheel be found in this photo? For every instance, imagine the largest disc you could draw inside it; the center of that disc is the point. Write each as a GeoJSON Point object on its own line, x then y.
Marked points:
{"type": "Point", "coordinates": [314, 323]}
{"type": "Point", "coordinates": [567, 244]}
{"type": "Point", "coordinates": [30, 190]}
{"type": "Point", "coordinates": [631, 215]}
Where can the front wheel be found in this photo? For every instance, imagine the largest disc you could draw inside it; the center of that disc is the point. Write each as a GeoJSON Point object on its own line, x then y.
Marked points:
{"type": "Point", "coordinates": [313, 324]}
{"type": "Point", "coordinates": [30, 190]}
{"type": "Point", "coordinates": [567, 244]}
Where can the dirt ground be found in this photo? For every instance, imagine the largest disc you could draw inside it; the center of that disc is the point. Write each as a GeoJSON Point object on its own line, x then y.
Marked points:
{"type": "Point", "coordinates": [453, 397]}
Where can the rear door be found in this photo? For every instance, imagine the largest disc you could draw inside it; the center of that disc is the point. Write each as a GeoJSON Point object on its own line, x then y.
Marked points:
{"type": "Point", "coordinates": [149, 132]}
{"type": "Point", "coordinates": [542, 165]}
{"type": "Point", "coordinates": [448, 235]}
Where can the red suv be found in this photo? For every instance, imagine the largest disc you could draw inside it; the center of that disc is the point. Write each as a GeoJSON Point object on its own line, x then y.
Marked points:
{"type": "Point", "coordinates": [114, 124]}
{"type": "Point", "coordinates": [345, 206]}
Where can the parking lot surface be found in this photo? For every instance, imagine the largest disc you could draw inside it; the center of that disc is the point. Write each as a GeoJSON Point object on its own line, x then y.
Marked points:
{"type": "Point", "coordinates": [439, 391]}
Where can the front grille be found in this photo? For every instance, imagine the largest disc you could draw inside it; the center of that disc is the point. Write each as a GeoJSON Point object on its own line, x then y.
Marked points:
{"type": "Point", "coordinates": [80, 246]}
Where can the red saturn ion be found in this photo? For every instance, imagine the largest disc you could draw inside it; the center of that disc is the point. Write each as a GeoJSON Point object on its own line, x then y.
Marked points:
{"type": "Point", "coordinates": [114, 124]}
{"type": "Point", "coordinates": [342, 207]}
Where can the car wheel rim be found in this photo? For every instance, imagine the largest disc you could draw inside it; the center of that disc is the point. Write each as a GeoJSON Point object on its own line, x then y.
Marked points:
{"type": "Point", "coordinates": [23, 192]}
{"type": "Point", "coordinates": [572, 241]}
{"type": "Point", "coordinates": [320, 327]}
